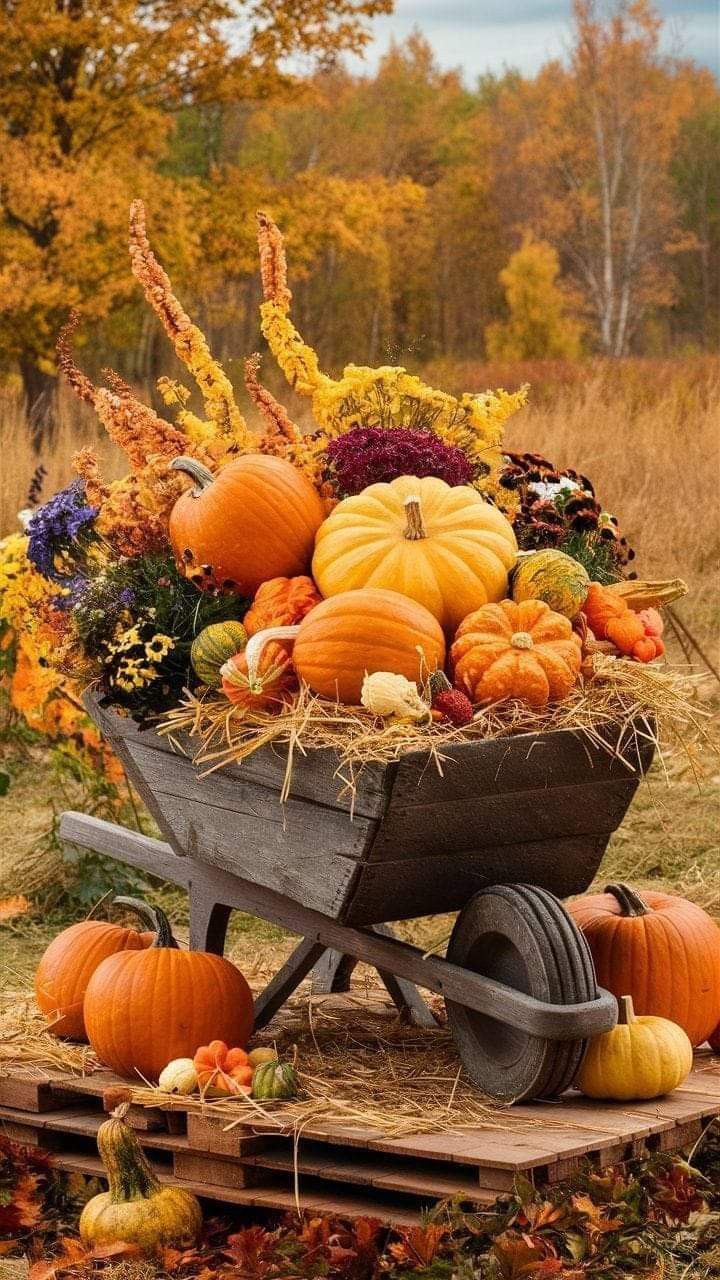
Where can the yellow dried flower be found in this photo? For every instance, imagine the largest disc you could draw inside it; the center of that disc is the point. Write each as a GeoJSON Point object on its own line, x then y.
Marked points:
{"type": "Point", "coordinates": [387, 397]}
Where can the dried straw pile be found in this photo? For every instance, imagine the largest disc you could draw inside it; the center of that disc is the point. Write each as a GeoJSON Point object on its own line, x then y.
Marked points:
{"type": "Point", "coordinates": [660, 702]}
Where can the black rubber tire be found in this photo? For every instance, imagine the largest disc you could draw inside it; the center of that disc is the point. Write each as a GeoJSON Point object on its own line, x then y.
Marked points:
{"type": "Point", "coordinates": [521, 936]}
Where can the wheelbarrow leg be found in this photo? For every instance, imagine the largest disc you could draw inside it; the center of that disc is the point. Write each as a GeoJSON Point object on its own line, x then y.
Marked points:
{"type": "Point", "coordinates": [284, 983]}
{"type": "Point", "coordinates": [334, 970]}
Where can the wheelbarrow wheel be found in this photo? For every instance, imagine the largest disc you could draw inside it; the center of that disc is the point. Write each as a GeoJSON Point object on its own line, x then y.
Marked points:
{"type": "Point", "coordinates": [523, 937]}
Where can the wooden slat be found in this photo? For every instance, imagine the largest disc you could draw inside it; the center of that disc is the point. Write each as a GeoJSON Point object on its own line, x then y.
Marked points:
{"type": "Point", "coordinates": [519, 763]}
{"type": "Point", "coordinates": [306, 871]}
{"type": "Point", "coordinates": [321, 1200]}
{"type": "Point", "coordinates": [314, 776]}
{"type": "Point", "coordinates": [511, 818]}
{"type": "Point", "coordinates": [395, 890]}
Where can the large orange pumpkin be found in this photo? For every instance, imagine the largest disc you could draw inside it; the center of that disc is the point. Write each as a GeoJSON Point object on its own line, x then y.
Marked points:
{"type": "Point", "coordinates": [145, 1008]}
{"type": "Point", "coordinates": [351, 635]}
{"type": "Point", "coordinates": [68, 964]}
{"type": "Point", "coordinates": [658, 948]}
{"type": "Point", "coordinates": [442, 545]}
{"type": "Point", "coordinates": [256, 519]}
{"type": "Point", "coordinates": [524, 651]}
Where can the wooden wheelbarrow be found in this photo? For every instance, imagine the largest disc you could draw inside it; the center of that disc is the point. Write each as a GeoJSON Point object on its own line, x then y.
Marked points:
{"type": "Point", "coordinates": [511, 826]}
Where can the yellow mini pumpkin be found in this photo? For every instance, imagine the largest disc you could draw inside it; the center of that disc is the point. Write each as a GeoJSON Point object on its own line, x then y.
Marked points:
{"type": "Point", "coordinates": [551, 576]}
{"type": "Point", "coordinates": [523, 651]}
{"type": "Point", "coordinates": [445, 547]}
{"type": "Point", "coordinates": [642, 1057]}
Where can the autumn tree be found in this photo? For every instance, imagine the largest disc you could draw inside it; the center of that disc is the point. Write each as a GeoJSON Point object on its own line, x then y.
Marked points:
{"type": "Point", "coordinates": [88, 89]}
{"type": "Point", "coordinates": [595, 140]}
{"type": "Point", "coordinates": [538, 325]}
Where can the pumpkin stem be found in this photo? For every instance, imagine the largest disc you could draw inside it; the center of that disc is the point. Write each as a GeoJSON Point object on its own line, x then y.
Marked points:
{"type": "Point", "coordinates": [153, 917]}
{"type": "Point", "coordinates": [626, 1011]}
{"type": "Point", "coordinates": [201, 474]}
{"type": "Point", "coordinates": [631, 904]}
{"type": "Point", "coordinates": [128, 1171]}
{"type": "Point", "coordinates": [256, 644]}
{"type": "Point", "coordinates": [415, 527]}
{"type": "Point", "coordinates": [522, 640]}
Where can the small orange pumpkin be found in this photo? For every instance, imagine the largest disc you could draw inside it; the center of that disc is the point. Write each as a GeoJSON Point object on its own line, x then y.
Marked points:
{"type": "Point", "coordinates": [68, 964]}
{"type": "Point", "coordinates": [264, 688]}
{"type": "Point", "coordinates": [354, 634]}
{"type": "Point", "coordinates": [659, 948]}
{"type": "Point", "coordinates": [145, 1008]}
{"type": "Point", "coordinates": [524, 651]}
{"type": "Point", "coordinates": [222, 1072]}
{"type": "Point", "coordinates": [254, 520]}
{"type": "Point", "coordinates": [281, 602]}
{"type": "Point", "coordinates": [611, 618]}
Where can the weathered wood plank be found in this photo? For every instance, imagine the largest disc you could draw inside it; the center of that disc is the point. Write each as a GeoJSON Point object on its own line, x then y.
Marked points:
{"type": "Point", "coordinates": [251, 813]}
{"type": "Point", "coordinates": [395, 890]}
{"type": "Point", "coordinates": [509, 818]}
{"type": "Point", "coordinates": [314, 775]}
{"type": "Point", "coordinates": [519, 763]}
{"type": "Point", "coordinates": [300, 865]}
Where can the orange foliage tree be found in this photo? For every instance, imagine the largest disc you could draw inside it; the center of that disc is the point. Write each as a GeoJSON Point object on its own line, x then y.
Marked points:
{"type": "Point", "coordinates": [87, 92]}
{"type": "Point", "coordinates": [595, 142]}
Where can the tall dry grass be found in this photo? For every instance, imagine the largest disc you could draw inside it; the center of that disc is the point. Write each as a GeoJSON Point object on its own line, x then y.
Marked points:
{"type": "Point", "coordinates": [646, 432]}
{"type": "Point", "coordinates": [19, 460]}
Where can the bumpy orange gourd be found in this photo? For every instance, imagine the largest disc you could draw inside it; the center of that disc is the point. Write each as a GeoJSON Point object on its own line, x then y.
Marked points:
{"type": "Point", "coordinates": [443, 546]}
{"type": "Point", "coordinates": [256, 519]}
{"type": "Point", "coordinates": [68, 964]}
{"type": "Point", "coordinates": [354, 634]}
{"type": "Point", "coordinates": [281, 602]}
{"type": "Point", "coordinates": [145, 1008]}
{"type": "Point", "coordinates": [265, 687]}
{"type": "Point", "coordinates": [611, 618]}
{"type": "Point", "coordinates": [222, 1072]}
{"type": "Point", "coordinates": [658, 948]}
{"type": "Point", "coordinates": [523, 651]}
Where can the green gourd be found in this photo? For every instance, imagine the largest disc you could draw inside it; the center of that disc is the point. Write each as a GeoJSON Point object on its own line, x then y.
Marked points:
{"type": "Point", "coordinates": [274, 1080]}
{"type": "Point", "coordinates": [563, 583]}
{"type": "Point", "coordinates": [213, 647]}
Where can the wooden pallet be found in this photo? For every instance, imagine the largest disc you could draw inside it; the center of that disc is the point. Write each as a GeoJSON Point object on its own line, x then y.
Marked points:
{"type": "Point", "coordinates": [354, 1171]}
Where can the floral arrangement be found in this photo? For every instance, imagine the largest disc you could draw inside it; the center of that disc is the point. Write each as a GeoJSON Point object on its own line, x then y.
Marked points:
{"type": "Point", "coordinates": [244, 573]}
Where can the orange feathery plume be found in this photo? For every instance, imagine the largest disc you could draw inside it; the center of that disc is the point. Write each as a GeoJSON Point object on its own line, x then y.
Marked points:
{"type": "Point", "coordinates": [273, 263]}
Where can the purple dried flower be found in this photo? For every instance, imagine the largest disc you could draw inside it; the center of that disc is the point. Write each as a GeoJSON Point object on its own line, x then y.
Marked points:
{"type": "Point", "coordinates": [369, 455]}
{"type": "Point", "coordinates": [60, 525]}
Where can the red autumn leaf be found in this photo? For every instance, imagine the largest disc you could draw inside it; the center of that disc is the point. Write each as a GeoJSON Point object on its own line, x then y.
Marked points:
{"type": "Point", "coordinates": [419, 1246]}
{"type": "Point", "coordinates": [675, 1194]}
{"type": "Point", "coordinates": [519, 1256]}
{"type": "Point", "coordinates": [23, 1208]}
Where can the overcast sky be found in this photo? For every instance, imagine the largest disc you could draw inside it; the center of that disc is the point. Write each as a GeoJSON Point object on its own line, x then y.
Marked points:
{"type": "Point", "coordinates": [481, 35]}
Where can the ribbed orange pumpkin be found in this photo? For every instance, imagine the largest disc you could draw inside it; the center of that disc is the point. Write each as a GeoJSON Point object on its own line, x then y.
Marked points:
{"type": "Point", "coordinates": [353, 634]}
{"type": "Point", "coordinates": [264, 689]}
{"type": "Point", "coordinates": [659, 948]}
{"type": "Point", "coordinates": [281, 602]}
{"type": "Point", "coordinates": [523, 651]}
{"type": "Point", "coordinates": [145, 1008]}
{"type": "Point", "coordinates": [68, 964]}
{"type": "Point", "coordinates": [256, 519]}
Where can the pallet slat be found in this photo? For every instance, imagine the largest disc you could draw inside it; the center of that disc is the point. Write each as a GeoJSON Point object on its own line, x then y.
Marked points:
{"type": "Point", "coordinates": [257, 1165]}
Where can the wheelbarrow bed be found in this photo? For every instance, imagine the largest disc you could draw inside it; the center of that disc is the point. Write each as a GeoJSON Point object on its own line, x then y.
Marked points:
{"type": "Point", "coordinates": [536, 808]}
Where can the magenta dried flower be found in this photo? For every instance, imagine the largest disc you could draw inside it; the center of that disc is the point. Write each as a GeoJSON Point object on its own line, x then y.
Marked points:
{"type": "Point", "coordinates": [370, 455]}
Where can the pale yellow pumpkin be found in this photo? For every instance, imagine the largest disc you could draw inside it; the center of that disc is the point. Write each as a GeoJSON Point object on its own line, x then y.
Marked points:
{"type": "Point", "coordinates": [642, 1057]}
{"type": "Point", "coordinates": [445, 547]}
{"type": "Point", "coordinates": [179, 1076]}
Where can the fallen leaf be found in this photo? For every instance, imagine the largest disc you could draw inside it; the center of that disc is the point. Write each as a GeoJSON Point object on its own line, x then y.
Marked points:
{"type": "Point", "coordinates": [16, 905]}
